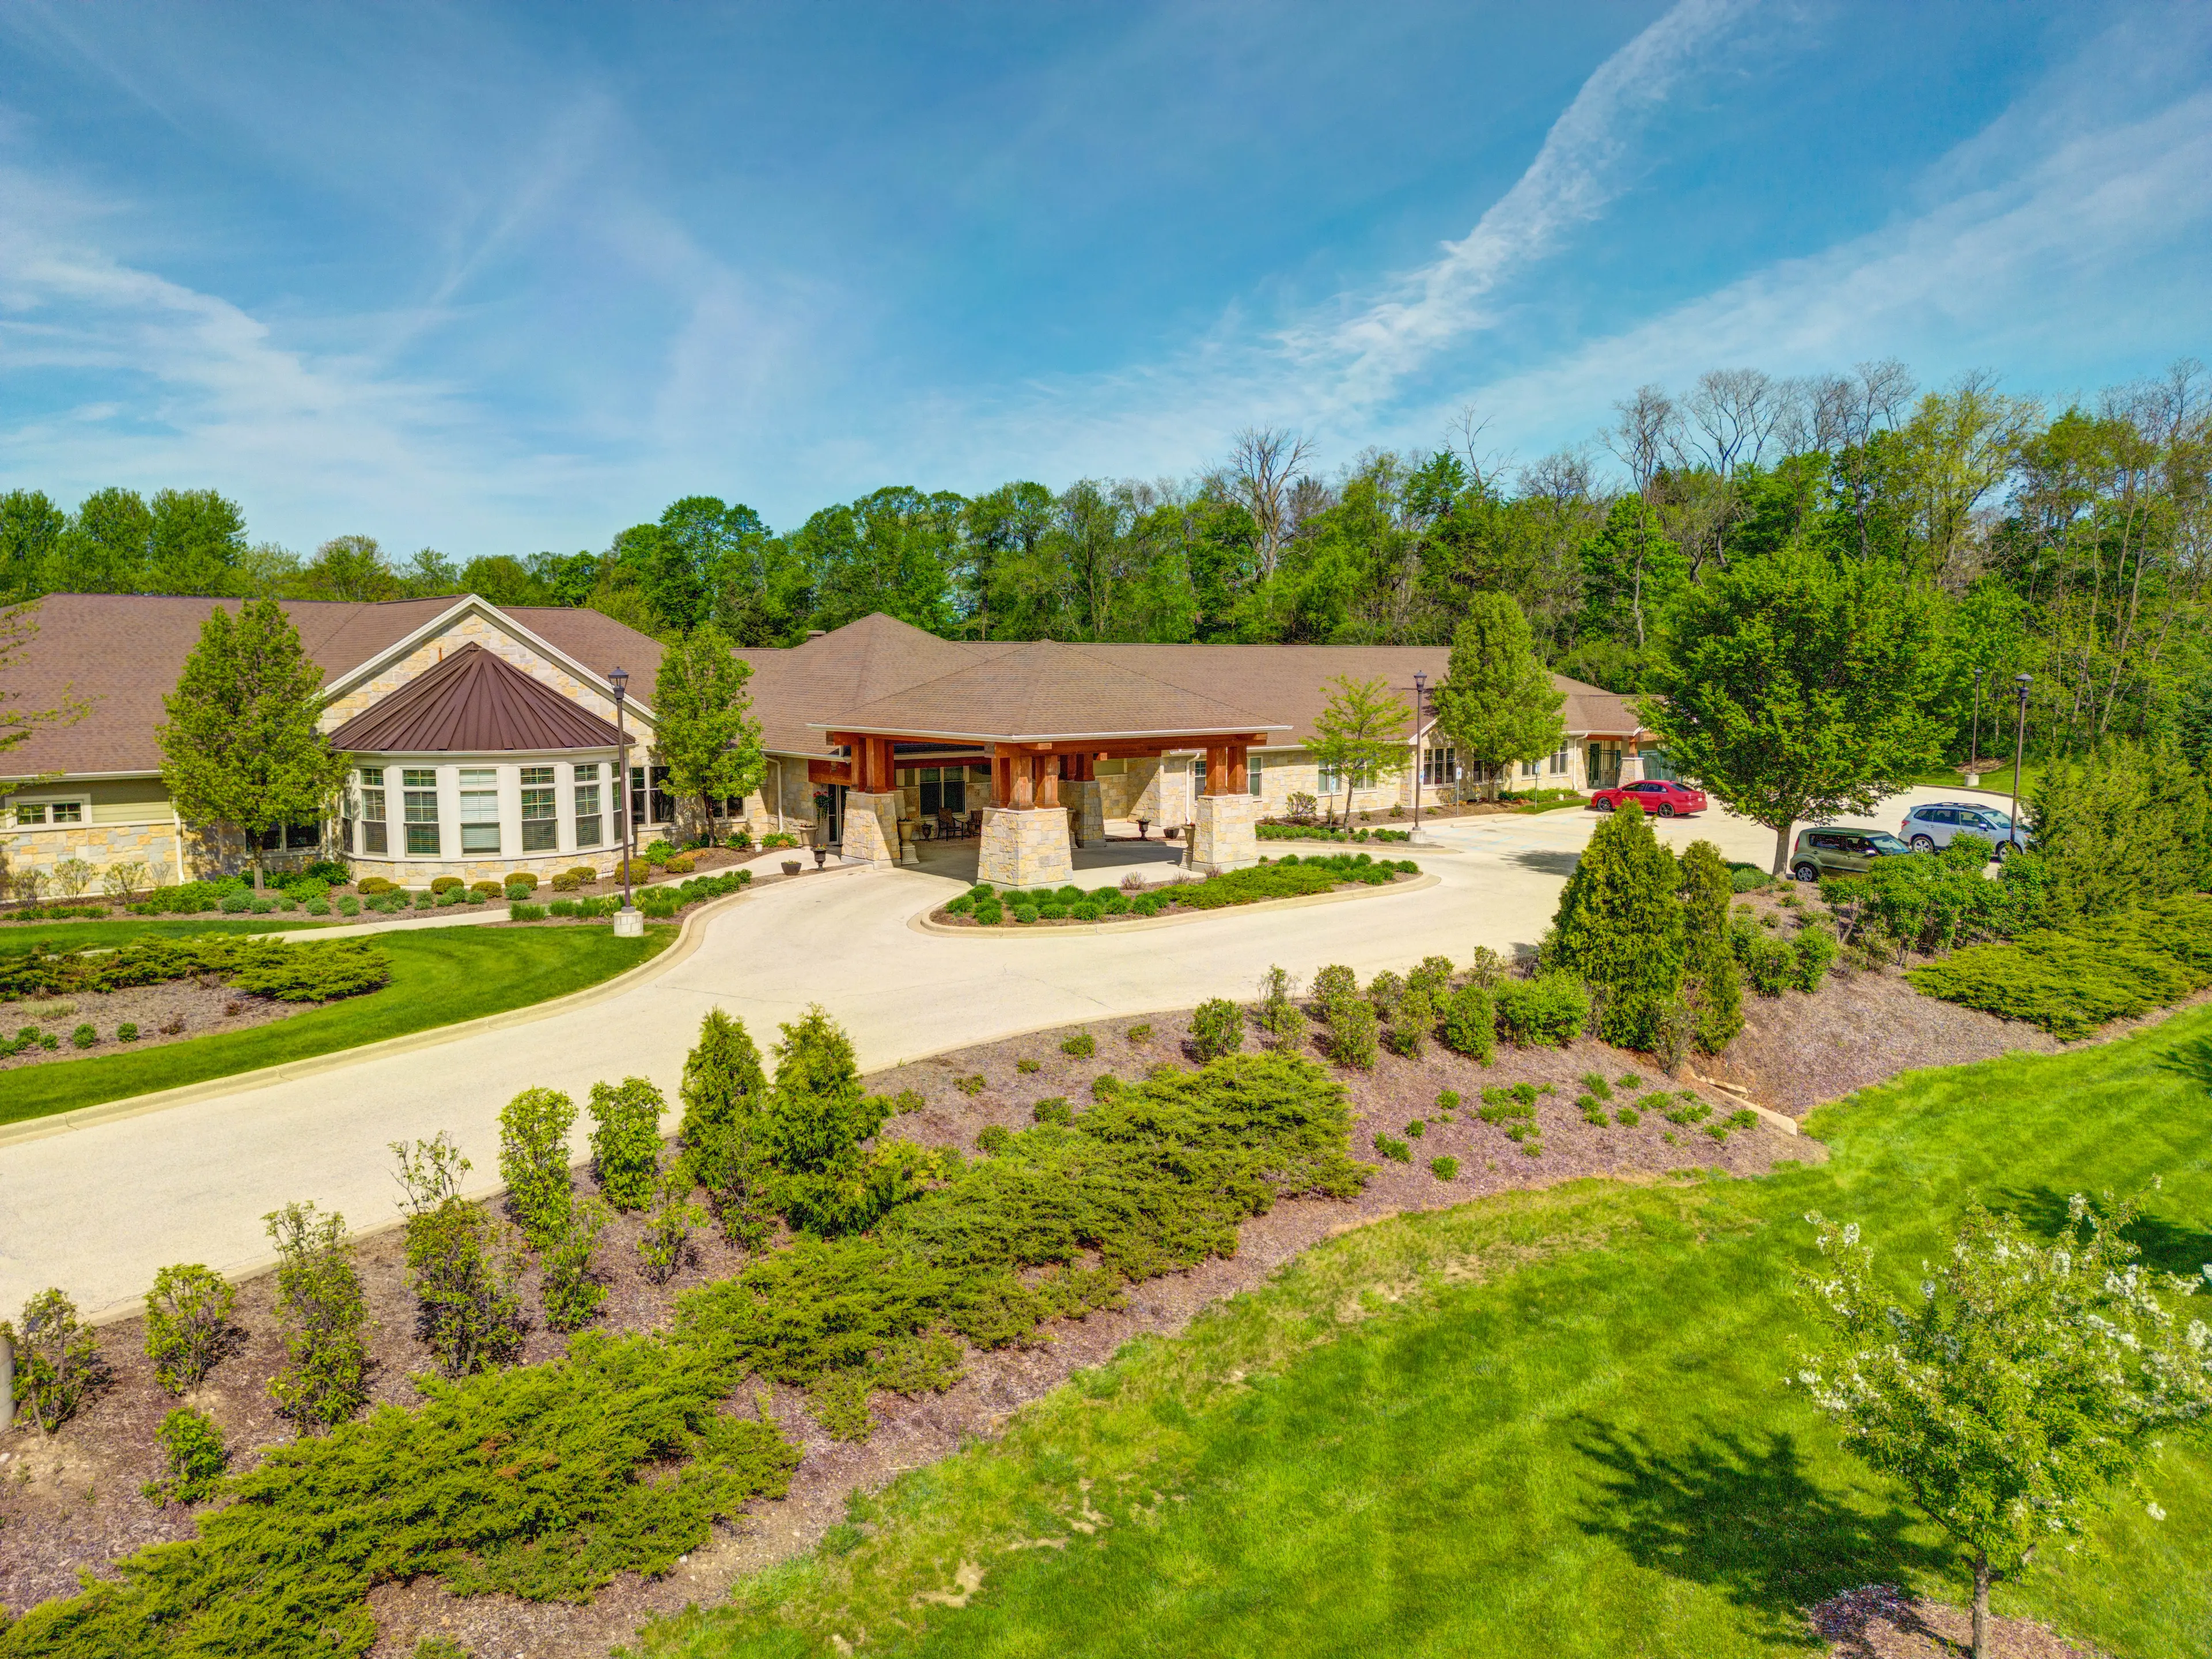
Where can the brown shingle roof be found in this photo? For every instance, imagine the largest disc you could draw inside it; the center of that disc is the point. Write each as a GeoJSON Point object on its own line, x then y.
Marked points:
{"type": "Point", "coordinates": [473, 702]}
{"type": "Point", "coordinates": [1040, 690]}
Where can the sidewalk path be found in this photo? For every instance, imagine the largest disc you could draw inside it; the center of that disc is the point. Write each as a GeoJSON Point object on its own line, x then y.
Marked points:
{"type": "Point", "coordinates": [98, 1209]}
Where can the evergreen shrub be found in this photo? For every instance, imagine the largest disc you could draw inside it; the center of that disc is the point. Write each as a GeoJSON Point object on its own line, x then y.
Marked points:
{"type": "Point", "coordinates": [1549, 1012]}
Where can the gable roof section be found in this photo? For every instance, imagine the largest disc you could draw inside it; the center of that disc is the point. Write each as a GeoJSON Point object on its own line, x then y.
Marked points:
{"type": "Point", "coordinates": [476, 703]}
{"type": "Point", "coordinates": [848, 669]}
{"type": "Point", "coordinates": [1044, 690]}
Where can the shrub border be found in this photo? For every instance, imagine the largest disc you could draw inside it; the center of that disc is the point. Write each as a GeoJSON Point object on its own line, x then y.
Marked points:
{"type": "Point", "coordinates": [921, 922]}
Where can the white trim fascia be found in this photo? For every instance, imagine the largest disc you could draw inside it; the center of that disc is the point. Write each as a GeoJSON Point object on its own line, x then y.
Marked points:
{"type": "Point", "coordinates": [429, 630]}
{"type": "Point", "coordinates": [29, 779]}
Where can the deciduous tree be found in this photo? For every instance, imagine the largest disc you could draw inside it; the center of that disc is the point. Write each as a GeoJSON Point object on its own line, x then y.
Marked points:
{"type": "Point", "coordinates": [1794, 688]}
{"type": "Point", "coordinates": [239, 750]}
{"type": "Point", "coordinates": [1362, 733]}
{"type": "Point", "coordinates": [2021, 1385]}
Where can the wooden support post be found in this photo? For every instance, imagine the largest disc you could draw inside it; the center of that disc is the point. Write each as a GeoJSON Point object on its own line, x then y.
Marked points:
{"type": "Point", "coordinates": [1024, 795]}
{"type": "Point", "coordinates": [1048, 793]}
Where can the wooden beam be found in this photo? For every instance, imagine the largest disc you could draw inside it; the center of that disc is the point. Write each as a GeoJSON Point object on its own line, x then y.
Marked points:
{"type": "Point", "coordinates": [829, 771]}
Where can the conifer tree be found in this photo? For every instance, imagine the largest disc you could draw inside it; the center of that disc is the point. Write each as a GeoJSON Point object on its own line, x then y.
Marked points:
{"type": "Point", "coordinates": [1713, 982]}
{"type": "Point", "coordinates": [817, 1116]}
{"type": "Point", "coordinates": [241, 750]}
{"type": "Point", "coordinates": [1497, 702]}
{"type": "Point", "coordinates": [1620, 928]}
{"type": "Point", "coordinates": [723, 1092]}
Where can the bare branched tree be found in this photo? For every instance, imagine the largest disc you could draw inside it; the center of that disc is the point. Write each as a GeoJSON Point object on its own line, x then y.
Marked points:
{"type": "Point", "coordinates": [1646, 437]}
{"type": "Point", "coordinates": [1265, 465]}
{"type": "Point", "coordinates": [1732, 414]}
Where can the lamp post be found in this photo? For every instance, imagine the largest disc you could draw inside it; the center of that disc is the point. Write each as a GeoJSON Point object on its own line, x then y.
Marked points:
{"type": "Point", "coordinates": [1974, 745]}
{"type": "Point", "coordinates": [620, 680]}
{"type": "Point", "coordinates": [1420, 741]}
{"type": "Point", "coordinates": [2019, 746]}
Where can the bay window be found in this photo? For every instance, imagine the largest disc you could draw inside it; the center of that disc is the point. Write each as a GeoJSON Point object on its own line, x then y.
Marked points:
{"type": "Point", "coordinates": [588, 804]}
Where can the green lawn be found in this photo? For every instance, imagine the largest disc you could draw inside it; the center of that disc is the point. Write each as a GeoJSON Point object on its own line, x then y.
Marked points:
{"type": "Point", "coordinates": [439, 975]}
{"type": "Point", "coordinates": [1553, 1423]}
{"type": "Point", "coordinates": [1997, 783]}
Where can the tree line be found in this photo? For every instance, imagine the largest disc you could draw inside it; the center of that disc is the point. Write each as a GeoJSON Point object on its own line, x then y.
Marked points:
{"type": "Point", "coordinates": [2068, 544]}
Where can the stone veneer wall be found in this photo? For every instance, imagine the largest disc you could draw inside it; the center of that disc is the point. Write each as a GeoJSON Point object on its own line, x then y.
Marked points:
{"type": "Point", "coordinates": [100, 845]}
{"type": "Point", "coordinates": [1086, 818]}
{"type": "Point", "coordinates": [871, 826]}
{"type": "Point", "coordinates": [1025, 849]}
{"type": "Point", "coordinates": [1222, 838]}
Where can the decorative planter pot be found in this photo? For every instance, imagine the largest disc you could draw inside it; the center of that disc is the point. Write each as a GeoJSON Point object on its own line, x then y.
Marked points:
{"type": "Point", "coordinates": [791, 867]}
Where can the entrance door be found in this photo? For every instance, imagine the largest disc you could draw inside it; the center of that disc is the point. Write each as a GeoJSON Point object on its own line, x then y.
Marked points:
{"type": "Point", "coordinates": [834, 823]}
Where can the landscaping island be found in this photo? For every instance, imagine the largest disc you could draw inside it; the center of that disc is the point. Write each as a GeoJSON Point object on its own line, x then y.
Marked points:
{"type": "Point", "coordinates": [985, 906]}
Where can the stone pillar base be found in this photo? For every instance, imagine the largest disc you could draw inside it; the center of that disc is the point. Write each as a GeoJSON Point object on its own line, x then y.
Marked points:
{"type": "Point", "coordinates": [872, 827]}
{"type": "Point", "coordinates": [1223, 838]}
{"type": "Point", "coordinates": [1025, 849]}
{"type": "Point", "coordinates": [1089, 812]}
{"type": "Point", "coordinates": [1631, 768]}
{"type": "Point", "coordinates": [629, 924]}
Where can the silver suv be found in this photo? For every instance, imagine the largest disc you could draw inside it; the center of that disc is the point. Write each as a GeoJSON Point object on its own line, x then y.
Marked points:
{"type": "Point", "coordinates": [1927, 827]}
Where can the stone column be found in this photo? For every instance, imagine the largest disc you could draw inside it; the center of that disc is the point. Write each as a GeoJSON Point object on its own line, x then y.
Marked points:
{"type": "Point", "coordinates": [1224, 839]}
{"type": "Point", "coordinates": [1090, 812]}
{"type": "Point", "coordinates": [1024, 848]}
{"type": "Point", "coordinates": [1631, 763]}
{"type": "Point", "coordinates": [871, 826]}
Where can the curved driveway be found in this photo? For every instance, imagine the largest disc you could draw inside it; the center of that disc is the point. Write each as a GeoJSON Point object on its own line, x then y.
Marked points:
{"type": "Point", "coordinates": [97, 1210]}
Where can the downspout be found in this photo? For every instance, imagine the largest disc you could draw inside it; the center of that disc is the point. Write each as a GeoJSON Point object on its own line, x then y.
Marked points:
{"type": "Point", "coordinates": [178, 823]}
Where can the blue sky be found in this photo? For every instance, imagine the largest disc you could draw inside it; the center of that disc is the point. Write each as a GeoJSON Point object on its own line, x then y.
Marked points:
{"type": "Point", "coordinates": [493, 279]}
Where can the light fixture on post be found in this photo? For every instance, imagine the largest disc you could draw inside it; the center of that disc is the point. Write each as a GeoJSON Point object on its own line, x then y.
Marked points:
{"type": "Point", "coordinates": [2020, 683]}
{"type": "Point", "coordinates": [629, 922]}
{"type": "Point", "coordinates": [1420, 739]}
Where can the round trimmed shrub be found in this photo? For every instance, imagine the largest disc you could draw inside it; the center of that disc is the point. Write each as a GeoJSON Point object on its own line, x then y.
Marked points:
{"type": "Point", "coordinates": [1217, 1027]}
{"type": "Point", "coordinates": [445, 883]}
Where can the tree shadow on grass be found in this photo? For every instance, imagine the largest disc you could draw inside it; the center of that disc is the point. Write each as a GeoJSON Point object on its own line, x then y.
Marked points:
{"type": "Point", "coordinates": [2191, 1059]}
{"type": "Point", "coordinates": [2167, 1246]}
{"type": "Point", "coordinates": [1737, 1512]}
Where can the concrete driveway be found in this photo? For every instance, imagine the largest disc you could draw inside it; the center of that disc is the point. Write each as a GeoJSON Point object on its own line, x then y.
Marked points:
{"type": "Point", "coordinates": [97, 1210]}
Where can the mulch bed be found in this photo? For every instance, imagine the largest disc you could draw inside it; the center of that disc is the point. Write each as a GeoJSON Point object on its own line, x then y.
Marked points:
{"type": "Point", "coordinates": [74, 1503]}
{"type": "Point", "coordinates": [191, 1008]}
{"type": "Point", "coordinates": [1879, 1621]}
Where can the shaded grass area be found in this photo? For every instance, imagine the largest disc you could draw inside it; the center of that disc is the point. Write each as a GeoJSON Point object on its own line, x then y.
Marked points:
{"type": "Point", "coordinates": [1552, 1422]}
{"type": "Point", "coordinates": [438, 976]}
{"type": "Point", "coordinates": [20, 941]}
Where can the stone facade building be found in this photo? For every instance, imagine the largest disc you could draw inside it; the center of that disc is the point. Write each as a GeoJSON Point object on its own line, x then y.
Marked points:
{"type": "Point", "coordinates": [484, 741]}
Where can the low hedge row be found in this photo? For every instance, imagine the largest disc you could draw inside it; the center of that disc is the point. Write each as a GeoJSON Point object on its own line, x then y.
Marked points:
{"type": "Point", "coordinates": [1287, 877]}
{"type": "Point", "coordinates": [1323, 832]}
{"type": "Point", "coordinates": [2069, 980]}
{"type": "Point", "coordinates": [262, 967]}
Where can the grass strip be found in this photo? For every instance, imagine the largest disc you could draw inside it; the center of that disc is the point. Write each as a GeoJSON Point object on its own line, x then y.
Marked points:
{"type": "Point", "coordinates": [438, 976]}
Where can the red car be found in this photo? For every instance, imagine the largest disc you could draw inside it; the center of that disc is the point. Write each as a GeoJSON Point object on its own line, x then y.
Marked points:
{"type": "Point", "coordinates": [1658, 799]}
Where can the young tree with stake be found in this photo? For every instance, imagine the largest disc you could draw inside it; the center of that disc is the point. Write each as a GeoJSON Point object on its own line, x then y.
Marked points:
{"type": "Point", "coordinates": [1497, 702]}
{"type": "Point", "coordinates": [1795, 688]}
{"type": "Point", "coordinates": [241, 751]}
{"type": "Point", "coordinates": [706, 737]}
{"type": "Point", "coordinates": [1362, 733]}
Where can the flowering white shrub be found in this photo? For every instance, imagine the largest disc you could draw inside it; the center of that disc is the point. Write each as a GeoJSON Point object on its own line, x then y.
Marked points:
{"type": "Point", "coordinates": [2023, 1383]}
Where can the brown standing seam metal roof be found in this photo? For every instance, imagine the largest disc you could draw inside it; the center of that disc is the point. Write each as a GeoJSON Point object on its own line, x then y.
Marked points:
{"type": "Point", "coordinates": [474, 702]}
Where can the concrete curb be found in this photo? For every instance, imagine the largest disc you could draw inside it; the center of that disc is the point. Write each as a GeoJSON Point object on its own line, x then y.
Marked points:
{"type": "Point", "coordinates": [687, 942]}
{"type": "Point", "coordinates": [922, 923]}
